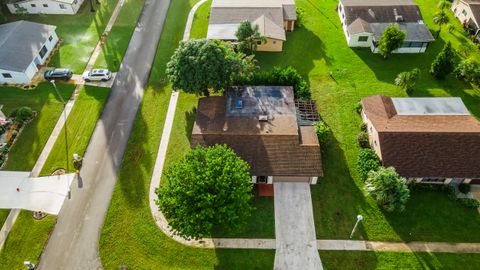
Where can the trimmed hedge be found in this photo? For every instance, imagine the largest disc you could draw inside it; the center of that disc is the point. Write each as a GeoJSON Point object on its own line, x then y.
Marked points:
{"type": "Point", "coordinates": [367, 161]}
{"type": "Point", "coordinates": [288, 76]}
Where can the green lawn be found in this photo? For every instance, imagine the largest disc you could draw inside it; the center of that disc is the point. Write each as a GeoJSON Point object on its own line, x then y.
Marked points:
{"type": "Point", "coordinates": [117, 42]}
{"type": "Point", "coordinates": [397, 260]}
{"type": "Point", "coordinates": [44, 100]}
{"type": "Point", "coordinates": [79, 33]}
{"type": "Point", "coordinates": [26, 230]}
{"type": "Point", "coordinates": [80, 125]}
{"type": "Point", "coordinates": [3, 215]}
{"type": "Point", "coordinates": [131, 237]}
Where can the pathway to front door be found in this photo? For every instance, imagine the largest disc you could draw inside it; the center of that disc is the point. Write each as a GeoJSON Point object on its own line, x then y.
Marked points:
{"type": "Point", "coordinates": [296, 244]}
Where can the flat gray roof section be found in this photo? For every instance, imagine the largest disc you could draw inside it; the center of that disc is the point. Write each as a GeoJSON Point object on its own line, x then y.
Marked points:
{"type": "Point", "coordinates": [20, 43]}
{"type": "Point", "coordinates": [377, 2]}
{"type": "Point", "coordinates": [416, 32]}
{"type": "Point", "coordinates": [260, 100]}
{"type": "Point", "coordinates": [430, 106]}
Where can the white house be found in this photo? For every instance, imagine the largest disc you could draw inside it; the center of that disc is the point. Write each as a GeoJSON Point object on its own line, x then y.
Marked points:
{"type": "Point", "coordinates": [363, 23]}
{"type": "Point", "coordinates": [44, 6]}
{"type": "Point", "coordinates": [24, 45]}
{"type": "Point", "coordinates": [468, 12]}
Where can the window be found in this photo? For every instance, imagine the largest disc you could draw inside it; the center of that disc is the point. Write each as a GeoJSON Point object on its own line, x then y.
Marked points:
{"type": "Point", "coordinates": [45, 5]}
{"type": "Point", "coordinates": [7, 75]}
{"type": "Point", "coordinates": [274, 42]}
{"type": "Point", "coordinates": [16, 5]}
{"type": "Point", "coordinates": [62, 6]}
{"type": "Point", "coordinates": [340, 8]}
{"type": "Point", "coordinates": [262, 179]}
{"type": "Point", "coordinates": [259, 42]}
{"type": "Point", "coordinates": [464, 12]}
{"type": "Point", "coordinates": [43, 51]}
{"type": "Point", "coordinates": [362, 38]}
{"type": "Point", "coordinates": [50, 38]}
{"type": "Point", "coordinates": [33, 5]}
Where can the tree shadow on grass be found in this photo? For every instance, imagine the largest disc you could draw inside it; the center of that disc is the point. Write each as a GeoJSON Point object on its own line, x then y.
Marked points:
{"type": "Point", "coordinates": [253, 259]}
{"type": "Point", "coordinates": [336, 199]}
{"type": "Point", "coordinates": [189, 122]}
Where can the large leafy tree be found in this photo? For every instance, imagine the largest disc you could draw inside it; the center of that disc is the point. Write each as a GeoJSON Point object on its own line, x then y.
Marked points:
{"type": "Point", "coordinates": [406, 80]}
{"type": "Point", "coordinates": [444, 62]}
{"type": "Point", "coordinates": [248, 37]}
{"type": "Point", "coordinates": [392, 38]}
{"type": "Point", "coordinates": [388, 189]}
{"type": "Point", "coordinates": [440, 18]}
{"type": "Point", "coordinates": [209, 187]}
{"type": "Point", "coordinates": [200, 65]}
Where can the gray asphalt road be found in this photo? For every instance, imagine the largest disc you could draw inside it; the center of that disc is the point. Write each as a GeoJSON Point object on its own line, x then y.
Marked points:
{"type": "Point", "coordinates": [74, 240]}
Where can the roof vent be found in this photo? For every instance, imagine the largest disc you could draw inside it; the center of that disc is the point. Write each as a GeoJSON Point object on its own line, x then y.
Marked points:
{"type": "Point", "coordinates": [263, 118]}
{"type": "Point", "coordinates": [370, 11]}
{"type": "Point", "coordinates": [239, 104]}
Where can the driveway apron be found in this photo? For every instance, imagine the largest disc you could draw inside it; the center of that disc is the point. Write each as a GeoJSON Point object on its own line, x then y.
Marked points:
{"type": "Point", "coordinates": [296, 244]}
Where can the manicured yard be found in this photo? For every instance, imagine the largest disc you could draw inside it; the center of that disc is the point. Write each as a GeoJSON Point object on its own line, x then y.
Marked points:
{"type": "Point", "coordinates": [45, 101]}
{"type": "Point", "coordinates": [79, 33]}
{"type": "Point", "coordinates": [26, 241]}
{"type": "Point", "coordinates": [3, 215]}
{"type": "Point", "coordinates": [80, 125]}
{"type": "Point", "coordinates": [130, 236]}
{"type": "Point", "coordinates": [117, 42]}
{"type": "Point", "coordinates": [397, 260]}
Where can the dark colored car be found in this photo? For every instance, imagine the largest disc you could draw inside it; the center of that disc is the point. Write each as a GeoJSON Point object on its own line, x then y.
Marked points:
{"type": "Point", "coordinates": [58, 74]}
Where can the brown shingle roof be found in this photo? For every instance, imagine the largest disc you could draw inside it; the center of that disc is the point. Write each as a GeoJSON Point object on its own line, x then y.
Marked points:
{"type": "Point", "coordinates": [385, 13]}
{"type": "Point", "coordinates": [277, 147]}
{"type": "Point", "coordinates": [425, 146]}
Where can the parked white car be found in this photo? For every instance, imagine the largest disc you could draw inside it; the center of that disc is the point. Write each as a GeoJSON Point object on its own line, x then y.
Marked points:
{"type": "Point", "coordinates": [97, 75]}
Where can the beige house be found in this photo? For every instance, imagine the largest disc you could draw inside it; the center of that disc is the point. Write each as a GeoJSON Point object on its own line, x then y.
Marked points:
{"type": "Point", "coordinates": [468, 12]}
{"type": "Point", "coordinates": [273, 17]}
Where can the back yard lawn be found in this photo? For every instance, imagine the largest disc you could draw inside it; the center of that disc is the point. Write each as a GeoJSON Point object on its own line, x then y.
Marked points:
{"type": "Point", "coordinates": [79, 33]}
{"type": "Point", "coordinates": [44, 100]}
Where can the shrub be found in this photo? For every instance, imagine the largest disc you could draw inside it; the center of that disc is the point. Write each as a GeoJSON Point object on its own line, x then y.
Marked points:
{"type": "Point", "coordinates": [469, 203]}
{"type": "Point", "coordinates": [323, 131]}
{"type": "Point", "coordinates": [406, 80]}
{"type": "Point", "coordinates": [288, 76]}
{"type": "Point", "coordinates": [443, 63]}
{"type": "Point", "coordinates": [363, 140]}
{"type": "Point", "coordinates": [388, 189]}
{"type": "Point", "coordinates": [464, 188]}
{"type": "Point", "coordinates": [363, 127]}
{"type": "Point", "coordinates": [4, 149]}
{"type": "Point", "coordinates": [367, 161]}
{"type": "Point", "coordinates": [300, 16]}
{"type": "Point", "coordinates": [23, 114]}
{"type": "Point", "coordinates": [358, 107]}
{"type": "Point", "coordinates": [469, 71]}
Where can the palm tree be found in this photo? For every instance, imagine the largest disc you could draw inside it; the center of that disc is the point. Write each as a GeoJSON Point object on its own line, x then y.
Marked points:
{"type": "Point", "coordinates": [406, 80]}
{"type": "Point", "coordinates": [249, 37]}
{"type": "Point", "coordinates": [440, 18]}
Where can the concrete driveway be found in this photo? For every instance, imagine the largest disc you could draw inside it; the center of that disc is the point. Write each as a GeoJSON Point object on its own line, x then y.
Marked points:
{"type": "Point", "coordinates": [296, 243]}
{"type": "Point", "coordinates": [46, 194]}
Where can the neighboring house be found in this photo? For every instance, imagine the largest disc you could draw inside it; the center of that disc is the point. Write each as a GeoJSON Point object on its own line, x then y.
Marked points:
{"type": "Point", "coordinates": [468, 12]}
{"type": "Point", "coordinates": [24, 46]}
{"type": "Point", "coordinates": [428, 139]}
{"type": "Point", "coordinates": [364, 21]}
{"type": "Point", "coordinates": [273, 18]}
{"type": "Point", "coordinates": [44, 6]}
{"type": "Point", "coordinates": [263, 126]}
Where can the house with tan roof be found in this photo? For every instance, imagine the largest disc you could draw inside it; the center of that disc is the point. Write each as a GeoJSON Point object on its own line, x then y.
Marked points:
{"type": "Point", "coordinates": [468, 12]}
{"type": "Point", "coordinates": [273, 18]}
{"type": "Point", "coordinates": [44, 6]}
{"type": "Point", "coordinates": [430, 139]}
{"type": "Point", "coordinates": [263, 125]}
{"type": "Point", "coordinates": [364, 21]}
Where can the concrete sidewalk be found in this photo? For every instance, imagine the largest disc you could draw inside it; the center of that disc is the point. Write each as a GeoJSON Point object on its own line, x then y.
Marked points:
{"type": "Point", "coordinates": [296, 242]}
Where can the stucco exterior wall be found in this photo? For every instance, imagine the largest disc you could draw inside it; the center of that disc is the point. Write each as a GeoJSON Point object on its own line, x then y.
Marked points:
{"type": "Point", "coordinates": [353, 40]}
{"type": "Point", "coordinates": [17, 77]}
{"type": "Point", "coordinates": [463, 12]}
{"type": "Point", "coordinates": [45, 7]}
{"type": "Point", "coordinates": [272, 45]}
{"type": "Point", "coordinates": [372, 135]}
{"type": "Point", "coordinates": [302, 179]}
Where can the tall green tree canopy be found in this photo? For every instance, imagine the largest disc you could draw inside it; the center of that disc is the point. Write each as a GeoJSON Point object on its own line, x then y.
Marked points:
{"type": "Point", "coordinates": [444, 62]}
{"type": "Point", "coordinates": [209, 187]}
{"type": "Point", "coordinates": [200, 65]}
{"type": "Point", "coordinates": [248, 37]}
{"type": "Point", "coordinates": [392, 38]}
{"type": "Point", "coordinates": [388, 189]}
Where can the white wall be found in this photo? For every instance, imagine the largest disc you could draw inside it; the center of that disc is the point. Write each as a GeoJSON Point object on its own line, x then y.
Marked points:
{"type": "Point", "coordinates": [354, 42]}
{"type": "Point", "coordinates": [458, 8]}
{"type": "Point", "coordinates": [53, 7]}
{"type": "Point", "coordinates": [17, 77]}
